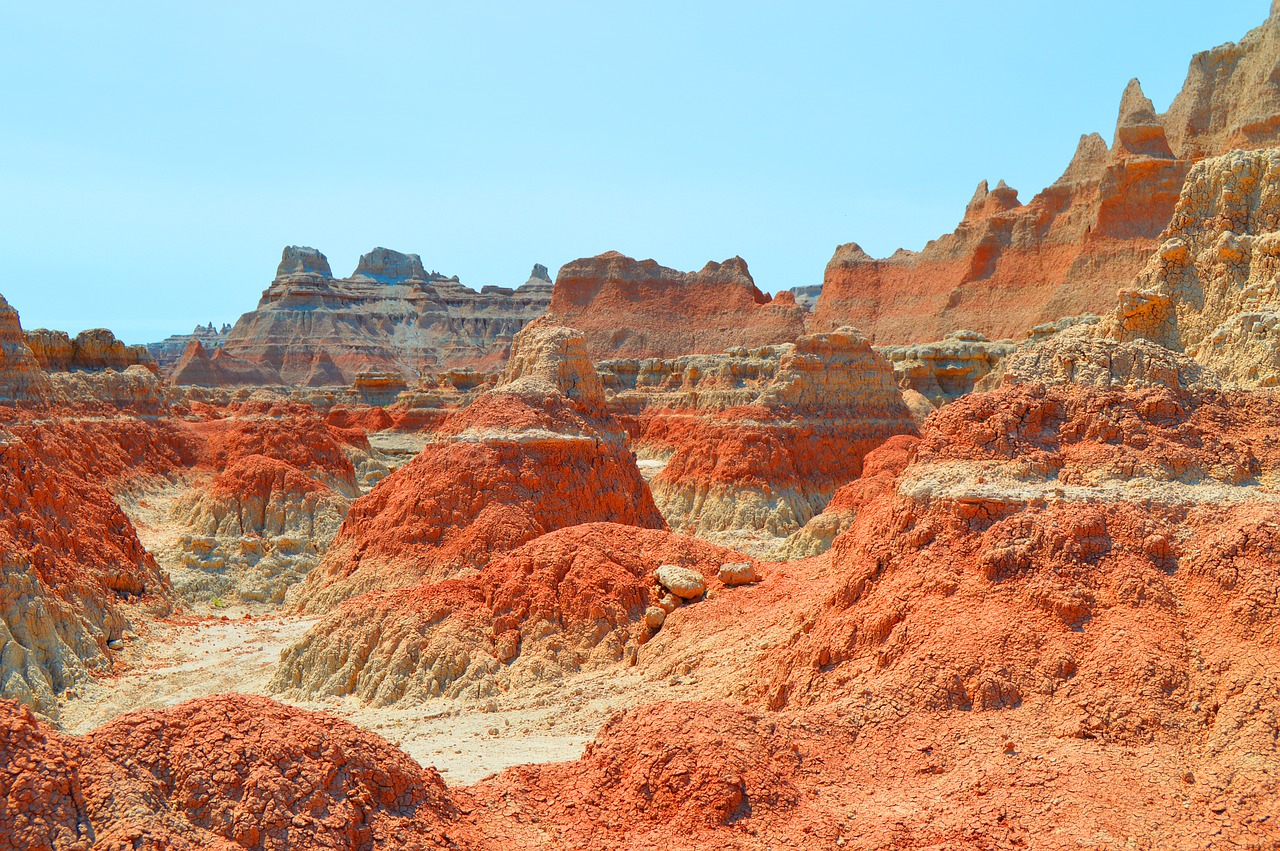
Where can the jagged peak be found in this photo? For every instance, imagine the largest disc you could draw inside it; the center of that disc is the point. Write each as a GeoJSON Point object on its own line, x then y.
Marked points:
{"type": "Point", "coordinates": [1139, 131]}
{"type": "Point", "coordinates": [540, 273]}
{"type": "Point", "coordinates": [1088, 161]}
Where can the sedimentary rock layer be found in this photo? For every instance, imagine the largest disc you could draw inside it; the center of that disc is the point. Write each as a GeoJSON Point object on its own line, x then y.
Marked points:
{"type": "Point", "coordinates": [636, 308]}
{"type": "Point", "coordinates": [313, 329]}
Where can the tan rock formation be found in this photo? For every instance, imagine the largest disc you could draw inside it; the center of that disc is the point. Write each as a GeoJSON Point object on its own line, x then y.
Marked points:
{"type": "Point", "coordinates": [752, 443]}
{"type": "Point", "coordinates": [945, 370]}
{"type": "Point", "coordinates": [95, 349]}
{"type": "Point", "coordinates": [1211, 287]}
{"type": "Point", "coordinates": [636, 308]}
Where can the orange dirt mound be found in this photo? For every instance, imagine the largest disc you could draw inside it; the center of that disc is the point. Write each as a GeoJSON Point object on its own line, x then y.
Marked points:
{"type": "Point", "coordinates": [228, 771]}
{"type": "Point", "coordinates": [502, 472]}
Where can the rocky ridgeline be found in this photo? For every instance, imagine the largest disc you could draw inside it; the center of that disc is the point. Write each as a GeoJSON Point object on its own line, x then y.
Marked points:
{"type": "Point", "coordinates": [1010, 266]}
{"type": "Point", "coordinates": [637, 308]}
{"type": "Point", "coordinates": [314, 330]}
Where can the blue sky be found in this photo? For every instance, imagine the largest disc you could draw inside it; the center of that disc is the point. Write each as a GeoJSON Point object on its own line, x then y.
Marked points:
{"type": "Point", "coordinates": [155, 157]}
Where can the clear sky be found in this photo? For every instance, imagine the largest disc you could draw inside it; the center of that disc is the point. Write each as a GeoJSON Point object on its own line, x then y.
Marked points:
{"type": "Point", "coordinates": [156, 157]}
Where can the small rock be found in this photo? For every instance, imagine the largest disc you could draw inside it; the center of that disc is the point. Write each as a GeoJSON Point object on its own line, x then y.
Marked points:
{"type": "Point", "coordinates": [115, 644]}
{"type": "Point", "coordinates": [684, 582]}
{"type": "Point", "coordinates": [668, 603]}
{"type": "Point", "coordinates": [654, 617]}
{"type": "Point", "coordinates": [738, 573]}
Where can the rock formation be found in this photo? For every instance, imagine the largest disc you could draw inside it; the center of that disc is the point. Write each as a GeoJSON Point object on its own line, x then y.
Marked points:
{"type": "Point", "coordinates": [95, 349]}
{"type": "Point", "coordinates": [73, 568]}
{"type": "Point", "coordinates": [21, 379]}
{"type": "Point", "coordinates": [1010, 266]}
{"type": "Point", "coordinates": [313, 329]}
{"type": "Point", "coordinates": [170, 349]}
{"type": "Point", "coordinates": [533, 455]}
{"type": "Point", "coordinates": [751, 444]}
{"type": "Point", "coordinates": [1210, 288]}
{"type": "Point", "coordinates": [197, 368]}
{"type": "Point", "coordinates": [943, 371]}
{"type": "Point", "coordinates": [630, 308]}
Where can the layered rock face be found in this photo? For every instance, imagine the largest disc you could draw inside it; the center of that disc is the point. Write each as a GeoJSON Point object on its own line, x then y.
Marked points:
{"type": "Point", "coordinates": [95, 349]}
{"type": "Point", "coordinates": [751, 444]}
{"type": "Point", "coordinates": [1210, 288]}
{"type": "Point", "coordinates": [636, 308]}
{"type": "Point", "coordinates": [1009, 266]}
{"type": "Point", "coordinates": [21, 379]}
{"type": "Point", "coordinates": [313, 329]}
{"type": "Point", "coordinates": [533, 455]}
{"type": "Point", "coordinates": [943, 371]}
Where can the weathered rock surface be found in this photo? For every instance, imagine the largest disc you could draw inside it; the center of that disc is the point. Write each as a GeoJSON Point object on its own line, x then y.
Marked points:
{"type": "Point", "coordinates": [570, 600]}
{"type": "Point", "coordinates": [391, 315]}
{"type": "Point", "coordinates": [73, 569]}
{"type": "Point", "coordinates": [1209, 288]}
{"type": "Point", "coordinates": [1010, 266]}
{"type": "Point", "coordinates": [636, 308]}
{"type": "Point", "coordinates": [945, 370]}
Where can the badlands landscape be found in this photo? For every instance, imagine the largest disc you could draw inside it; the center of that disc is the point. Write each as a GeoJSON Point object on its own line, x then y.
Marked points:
{"type": "Point", "coordinates": [971, 547]}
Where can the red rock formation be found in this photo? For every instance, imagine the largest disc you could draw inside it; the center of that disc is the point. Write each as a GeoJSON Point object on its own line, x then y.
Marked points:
{"type": "Point", "coordinates": [534, 455]}
{"type": "Point", "coordinates": [73, 569]}
{"type": "Point", "coordinates": [688, 775]}
{"type": "Point", "coordinates": [571, 599]}
{"type": "Point", "coordinates": [1058, 557]}
{"type": "Point", "coordinates": [629, 308]}
{"type": "Point", "coordinates": [1009, 267]}
{"type": "Point", "coordinates": [312, 329]}
{"type": "Point", "coordinates": [229, 772]}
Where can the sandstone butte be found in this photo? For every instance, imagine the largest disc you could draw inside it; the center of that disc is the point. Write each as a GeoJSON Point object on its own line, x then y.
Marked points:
{"type": "Point", "coordinates": [637, 308]}
{"type": "Point", "coordinates": [1010, 266]}
{"type": "Point", "coordinates": [311, 329]}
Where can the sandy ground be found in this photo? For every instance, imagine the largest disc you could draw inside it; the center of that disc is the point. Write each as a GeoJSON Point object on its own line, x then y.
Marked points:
{"type": "Point", "coordinates": [181, 659]}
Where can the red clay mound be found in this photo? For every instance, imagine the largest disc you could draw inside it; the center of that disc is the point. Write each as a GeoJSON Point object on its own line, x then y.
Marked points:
{"type": "Point", "coordinates": [684, 775]}
{"type": "Point", "coordinates": [501, 472]}
{"type": "Point", "coordinates": [290, 432]}
{"type": "Point", "coordinates": [570, 599]}
{"type": "Point", "coordinates": [228, 771]}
